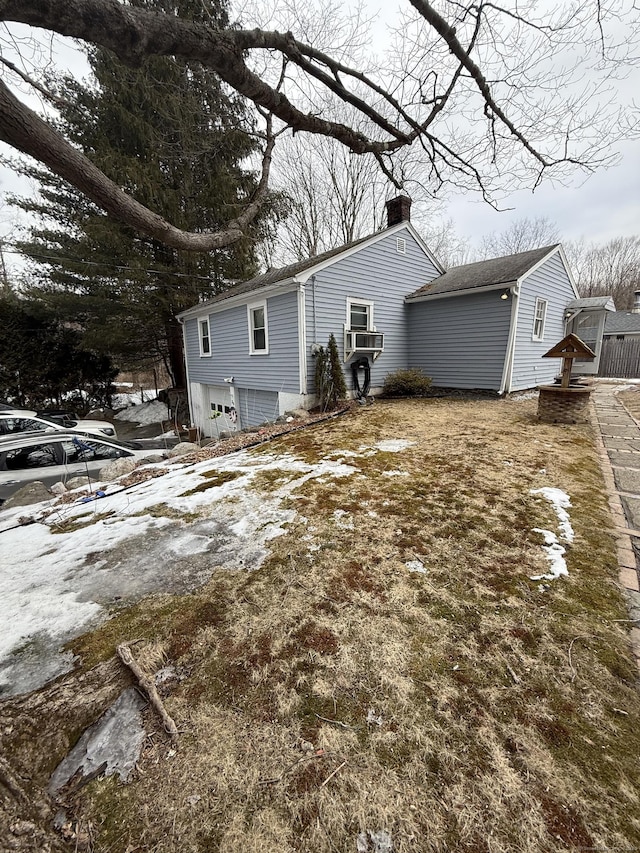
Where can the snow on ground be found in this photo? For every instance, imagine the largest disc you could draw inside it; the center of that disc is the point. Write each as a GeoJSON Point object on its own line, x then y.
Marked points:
{"type": "Point", "coordinates": [57, 582]}
{"type": "Point", "coordinates": [554, 551]}
{"type": "Point", "coordinates": [560, 502]}
{"type": "Point", "coordinates": [393, 445]}
{"type": "Point", "coordinates": [133, 398]}
{"type": "Point", "coordinates": [153, 412]}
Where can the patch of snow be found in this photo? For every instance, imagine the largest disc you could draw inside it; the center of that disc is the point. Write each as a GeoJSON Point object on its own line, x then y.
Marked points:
{"type": "Point", "coordinates": [395, 473]}
{"type": "Point", "coordinates": [554, 551]}
{"type": "Point", "coordinates": [121, 401]}
{"type": "Point", "coordinates": [527, 395]}
{"type": "Point", "coordinates": [56, 581]}
{"type": "Point", "coordinates": [393, 445]}
{"type": "Point", "coordinates": [416, 566]}
{"type": "Point", "coordinates": [555, 554]}
{"type": "Point", "coordinates": [144, 414]}
{"type": "Point", "coordinates": [374, 842]}
{"type": "Point", "coordinates": [374, 719]}
{"type": "Point", "coordinates": [343, 519]}
{"type": "Point", "coordinates": [560, 502]}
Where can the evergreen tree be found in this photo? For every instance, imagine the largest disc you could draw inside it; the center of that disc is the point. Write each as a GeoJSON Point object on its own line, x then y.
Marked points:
{"type": "Point", "coordinates": [338, 383]}
{"type": "Point", "coordinates": [171, 135]}
{"type": "Point", "coordinates": [329, 376]}
{"type": "Point", "coordinates": [42, 360]}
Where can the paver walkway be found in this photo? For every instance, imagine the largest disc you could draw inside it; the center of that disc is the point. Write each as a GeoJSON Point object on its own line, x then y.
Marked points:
{"type": "Point", "coordinates": [619, 447]}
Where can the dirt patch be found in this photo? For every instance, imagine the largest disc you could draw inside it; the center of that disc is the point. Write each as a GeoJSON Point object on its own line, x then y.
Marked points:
{"type": "Point", "coordinates": [391, 666]}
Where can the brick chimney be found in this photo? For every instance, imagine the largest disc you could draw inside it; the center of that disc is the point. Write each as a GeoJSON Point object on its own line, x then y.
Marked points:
{"type": "Point", "coordinates": [398, 210]}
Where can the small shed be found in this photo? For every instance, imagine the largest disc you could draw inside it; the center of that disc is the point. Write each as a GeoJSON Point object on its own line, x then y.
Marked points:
{"type": "Point", "coordinates": [586, 318]}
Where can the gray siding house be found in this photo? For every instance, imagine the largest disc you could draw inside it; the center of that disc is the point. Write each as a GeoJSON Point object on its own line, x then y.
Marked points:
{"type": "Point", "coordinates": [250, 350]}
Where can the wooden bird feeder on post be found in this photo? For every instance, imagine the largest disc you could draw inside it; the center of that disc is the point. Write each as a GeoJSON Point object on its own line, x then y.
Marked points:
{"type": "Point", "coordinates": [565, 403]}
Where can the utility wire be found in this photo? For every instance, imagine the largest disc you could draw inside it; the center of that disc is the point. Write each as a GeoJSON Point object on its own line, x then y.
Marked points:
{"type": "Point", "coordinates": [120, 267]}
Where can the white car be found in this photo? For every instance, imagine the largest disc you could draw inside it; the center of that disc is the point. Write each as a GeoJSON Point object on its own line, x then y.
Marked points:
{"type": "Point", "coordinates": [16, 421]}
{"type": "Point", "coordinates": [58, 456]}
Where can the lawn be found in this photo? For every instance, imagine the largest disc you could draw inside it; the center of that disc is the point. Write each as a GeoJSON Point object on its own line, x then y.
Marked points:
{"type": "Point", "coordinates": [391, 679]}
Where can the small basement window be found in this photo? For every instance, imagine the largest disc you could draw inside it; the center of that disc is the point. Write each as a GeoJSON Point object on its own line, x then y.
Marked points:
{"type": "Point", "coordinates": [205, 340]}
{"type": "Point", "coordinates": [539, 319]}
{"type": "Point", "coordinates": [258, 336]}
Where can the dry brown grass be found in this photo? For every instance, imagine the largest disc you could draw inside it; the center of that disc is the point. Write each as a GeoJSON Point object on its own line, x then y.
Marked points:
{"type": "Point", "coordinates": [631, 400]}
{"type": "Point", "coordinates": [506, 716]}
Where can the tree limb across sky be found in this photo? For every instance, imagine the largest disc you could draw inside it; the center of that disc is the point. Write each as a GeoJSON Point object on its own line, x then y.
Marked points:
{"type": "Point", "coordinates": [472, 88]}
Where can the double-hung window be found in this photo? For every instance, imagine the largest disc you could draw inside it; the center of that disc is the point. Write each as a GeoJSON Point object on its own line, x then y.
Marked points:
{"type": "Point", "coordinates": [360, 316]}
{"type": "Point", "coordinates": [539, 318]}
{"type": "Point", "coordinates": [360, 334]}
{"type": "Point", "coordinates": [258, 333]}
{"type": "Point", "coordinates": [204, 337]}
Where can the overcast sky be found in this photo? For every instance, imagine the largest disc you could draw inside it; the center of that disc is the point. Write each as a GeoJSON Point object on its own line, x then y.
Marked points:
{"type": "Point", "coordinates": [604, 206]}
{"type": "Point", "coordinates": [599, 208]}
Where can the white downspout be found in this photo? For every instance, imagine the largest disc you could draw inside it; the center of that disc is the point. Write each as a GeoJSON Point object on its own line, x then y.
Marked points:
{"type": "Point", "coordinates": [302, 337]}
{"type": "Point", "coordinates": [507, 372]}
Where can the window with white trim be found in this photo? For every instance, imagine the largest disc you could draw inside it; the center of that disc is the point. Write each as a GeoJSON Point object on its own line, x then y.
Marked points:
{"type": "Point", "coordinates": [539, 319]}
{"type": "Point", "coordinates": [359, 332]}
{"type": "Point", "coordinates": [258, 334]}
{"type": "Point", "coordinates": [204, 337]}
{"type": "Point", "coordinates": [360, 316]}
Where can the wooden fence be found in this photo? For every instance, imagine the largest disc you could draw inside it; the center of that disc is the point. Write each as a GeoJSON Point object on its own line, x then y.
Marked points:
{"type": "Point", "coordinates": [620, 358]}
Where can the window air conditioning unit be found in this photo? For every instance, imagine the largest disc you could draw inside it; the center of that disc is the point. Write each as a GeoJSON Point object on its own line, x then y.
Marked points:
{"type": "Point", "coordinates": [357, 341]}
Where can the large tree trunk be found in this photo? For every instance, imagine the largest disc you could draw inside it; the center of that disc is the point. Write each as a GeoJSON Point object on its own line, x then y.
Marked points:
{"type": "Point", "coordinates": [176, 353]}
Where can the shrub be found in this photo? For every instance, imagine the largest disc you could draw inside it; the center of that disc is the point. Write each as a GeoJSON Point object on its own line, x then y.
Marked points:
{"type": "Point", "coordinates": [406, 383]}
{"type": "Point", "coordinates": [330, 383]}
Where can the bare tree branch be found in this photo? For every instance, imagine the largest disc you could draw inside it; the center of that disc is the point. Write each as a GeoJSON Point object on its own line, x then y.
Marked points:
{"type": "Point", "coordinates": [46, 93]}
{"type": "Point", "coordinates": [449, 72]}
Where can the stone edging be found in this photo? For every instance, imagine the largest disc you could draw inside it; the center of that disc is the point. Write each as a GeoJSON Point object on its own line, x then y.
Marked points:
{"type": "Point", "coordinates": [627, 565]}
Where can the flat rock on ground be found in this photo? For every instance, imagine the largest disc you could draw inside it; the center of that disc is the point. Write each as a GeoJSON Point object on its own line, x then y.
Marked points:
{"type": "Point", "coordinates": [627, 480]}
{"type": "Point", "coordinates": [32, 493]}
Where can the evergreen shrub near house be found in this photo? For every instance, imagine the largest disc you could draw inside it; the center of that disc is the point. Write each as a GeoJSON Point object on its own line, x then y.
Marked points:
{"type": "Point", "coordinates": [331, 386]}
{"type": "Point", "coordinates": [411, 382]}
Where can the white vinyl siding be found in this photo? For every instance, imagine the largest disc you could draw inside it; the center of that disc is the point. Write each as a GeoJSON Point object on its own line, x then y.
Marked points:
{"type": "Point", "coordinates": [539, 319]}
{"type": "Point", "coordinates": [205, 340]}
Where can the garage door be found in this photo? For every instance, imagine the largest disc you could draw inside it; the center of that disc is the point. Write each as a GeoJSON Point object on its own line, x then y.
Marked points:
{"type": "Point", "coordinates": [221, 410]}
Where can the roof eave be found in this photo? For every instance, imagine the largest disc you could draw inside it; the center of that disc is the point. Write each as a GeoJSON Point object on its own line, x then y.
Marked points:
{"type": "Point", "coordinates": [212, 307]}
{"type": "Point", "coordinates": [424, 297]}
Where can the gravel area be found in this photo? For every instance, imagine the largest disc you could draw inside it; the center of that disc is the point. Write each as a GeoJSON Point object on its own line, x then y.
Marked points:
{"type": "Point", "coordinates": [259, 436]}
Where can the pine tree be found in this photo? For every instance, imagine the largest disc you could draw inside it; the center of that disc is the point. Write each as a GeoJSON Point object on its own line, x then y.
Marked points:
{"type": "Point", "coordinates": [329, 376]}
{"type": "Point", "coordinates": [42, 360]}
{"type": "Point", "coordinates": [171, 135]}
{"type": "Point", "coordinates": [339, 386]}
